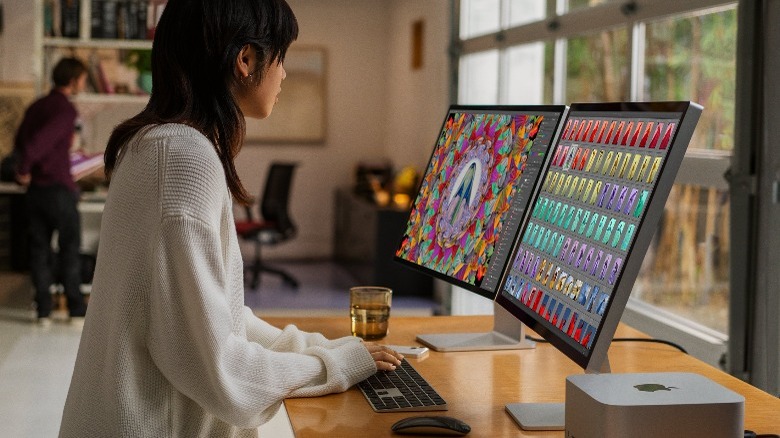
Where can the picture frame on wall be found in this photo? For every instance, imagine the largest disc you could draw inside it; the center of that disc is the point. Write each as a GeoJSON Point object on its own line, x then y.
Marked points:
{"type": "Point", "coordinates": [299, 116]}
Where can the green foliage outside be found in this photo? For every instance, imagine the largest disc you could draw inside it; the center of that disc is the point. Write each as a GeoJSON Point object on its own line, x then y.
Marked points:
{"type": "Point", "coordinates": [690, 58]}
{"type": "Point", "coordinates": [695, 59]}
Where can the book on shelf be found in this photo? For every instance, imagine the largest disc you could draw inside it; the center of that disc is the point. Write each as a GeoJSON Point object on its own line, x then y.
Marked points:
{"type": "Point", "coordinates": [109, 71]}
{"type": "Point", "coordinates": [83, 163]}
{"type": "Point", "coordinates": [69, 10]}
{"type": "Point", "coordinates": [153, 14]}
{"type": "Point", "coordinates": [108, 22]}
{"type": "Point", "coordinates": [96, 19]}
{"type": "Point", "coordinates": [124, 19]}
{"type": "Point", "coordinates": [61, 18]}
{"type": "Point", "coordinates": [48, 18]}
{"type": "Point", "coordinates": [52, 18]}
{"type": "Point", "coordinates": [106, 86]}
{"type": "Point", "coordinates": [108, 19]}
{"type": "Point", "coordinates": [95, 80]}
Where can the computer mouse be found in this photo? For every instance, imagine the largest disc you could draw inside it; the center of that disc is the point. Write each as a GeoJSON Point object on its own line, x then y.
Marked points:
{"type": "Point", "coordinates": [431, 425]}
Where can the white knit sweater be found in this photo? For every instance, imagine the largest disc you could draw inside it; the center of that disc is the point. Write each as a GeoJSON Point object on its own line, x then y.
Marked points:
{"type": "Point", "coordinates": [168, 347]}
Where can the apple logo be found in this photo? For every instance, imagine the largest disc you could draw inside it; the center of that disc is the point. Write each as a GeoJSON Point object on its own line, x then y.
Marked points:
{"type": "Point", "coordinates": [653, 387]}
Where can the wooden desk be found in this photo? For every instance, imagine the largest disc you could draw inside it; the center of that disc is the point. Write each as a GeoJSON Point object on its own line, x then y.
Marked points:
{"type": "Point", "coordinates": [477, 385]}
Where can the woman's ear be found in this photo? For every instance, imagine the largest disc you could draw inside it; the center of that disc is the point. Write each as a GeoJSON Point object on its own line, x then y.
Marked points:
{"type": "Point", "coordinates": [245, 62]}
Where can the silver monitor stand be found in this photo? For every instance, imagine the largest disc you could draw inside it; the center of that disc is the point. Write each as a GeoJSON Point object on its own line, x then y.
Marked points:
{"type": "Point", "coordinates": [508, 334]}
{"type": "Point", "coordinates": [546, 416]}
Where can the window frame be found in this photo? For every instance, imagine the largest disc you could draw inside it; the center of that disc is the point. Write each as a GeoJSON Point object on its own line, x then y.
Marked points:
{"type": "Point", "coordinates": [700, 167]}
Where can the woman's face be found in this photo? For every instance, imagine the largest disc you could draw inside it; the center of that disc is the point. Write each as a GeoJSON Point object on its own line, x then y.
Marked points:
{"type": "Point", "coordinates": [258, 100]}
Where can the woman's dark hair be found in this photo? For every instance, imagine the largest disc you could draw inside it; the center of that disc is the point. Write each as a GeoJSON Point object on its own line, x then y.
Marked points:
{"type": "Point", "coordinates": [66, 70]}
{"type": "Point", "coordinates": [194, 52]}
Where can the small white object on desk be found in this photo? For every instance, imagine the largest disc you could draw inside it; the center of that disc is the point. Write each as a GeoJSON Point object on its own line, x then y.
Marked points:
{"type": "Point", "coordinates": [414, 352]}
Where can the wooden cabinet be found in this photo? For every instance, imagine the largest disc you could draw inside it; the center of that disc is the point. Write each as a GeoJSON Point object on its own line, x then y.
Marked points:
{"type": "Point", "coordinates": [366, 238]}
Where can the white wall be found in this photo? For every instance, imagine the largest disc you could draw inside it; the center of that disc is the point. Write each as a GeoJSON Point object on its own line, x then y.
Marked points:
{"type": "Point", "coordinates": [417, 99]}
{"type": "Point", "coordinates": [377, 106]}
{"type": "Point", "coordinates": [17, 45]}
{"type": "Point", "coordinates": [354, 34]}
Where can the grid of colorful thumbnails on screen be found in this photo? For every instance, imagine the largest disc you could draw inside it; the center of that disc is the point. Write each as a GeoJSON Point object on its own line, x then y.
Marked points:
{"type": "Point", "coordinates": [583, 221]}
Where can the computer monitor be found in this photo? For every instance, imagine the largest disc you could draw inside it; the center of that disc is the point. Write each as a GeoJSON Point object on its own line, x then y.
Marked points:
{"type": "Point", "coordinates": [580, 249]}
{"type": "Point", "coordinates": [472, 200]}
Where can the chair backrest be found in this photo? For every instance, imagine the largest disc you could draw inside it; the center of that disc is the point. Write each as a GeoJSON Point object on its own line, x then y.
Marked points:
{"type": "Point", "coordinates": [276, 197]}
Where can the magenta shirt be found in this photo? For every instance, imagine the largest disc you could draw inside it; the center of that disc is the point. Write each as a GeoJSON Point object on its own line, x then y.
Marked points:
{"type": "Point", "coordinates": [43, 141]}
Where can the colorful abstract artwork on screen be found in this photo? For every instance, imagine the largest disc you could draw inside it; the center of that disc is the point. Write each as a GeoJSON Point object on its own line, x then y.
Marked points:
{"type": "Point", "coordinates": [466, 193]}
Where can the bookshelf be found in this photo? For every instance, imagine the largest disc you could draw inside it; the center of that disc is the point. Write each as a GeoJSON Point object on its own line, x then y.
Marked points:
{"type": "Point", "coordinates": [59, 42]}
{"type": "Point", "coordinates": [108, 35]}
{"type": "Point", "coordinates": [113, 38]}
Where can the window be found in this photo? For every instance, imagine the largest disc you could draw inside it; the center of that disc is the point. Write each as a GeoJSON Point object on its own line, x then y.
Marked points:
{"type": "Point", "coordinates": [479, 17]}
{"type": "Point", "coordinates": [579, 4]}
{"type": "Point", "coordinates": [687, 270]}
{"type": "Point", "coordinates": [597, 67]}
{"type": "Point", "coordinates": [527, 11]}
{"type": "Point", "coordinates": [694, 57]}
{"type": "Point", "coordinates": [529, 74]}
{"type": "Point", "coordinates": [479, 78]}
{"type": "Point", "coordinates": [679, 54]}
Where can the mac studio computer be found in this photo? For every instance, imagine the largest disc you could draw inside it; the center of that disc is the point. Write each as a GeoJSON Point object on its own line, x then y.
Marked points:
{"type": "Point", "coordinates": [472, 201]}
{"type": "Point", "coordinates": [589, 226]}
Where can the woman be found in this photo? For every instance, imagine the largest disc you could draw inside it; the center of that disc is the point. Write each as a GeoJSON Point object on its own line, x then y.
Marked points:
{"type": "Point", "coordinates": [168, 348]}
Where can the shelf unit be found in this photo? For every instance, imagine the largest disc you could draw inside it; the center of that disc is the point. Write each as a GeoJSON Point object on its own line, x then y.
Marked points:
{"type": "Point", "coordinates": [96, 43]}
{"type": "Point", "coordinates": [102, 98]}
{"type": "Point", "coordinates": [99, 111]}
{"type": "Point", "coordinates": [48, 48]}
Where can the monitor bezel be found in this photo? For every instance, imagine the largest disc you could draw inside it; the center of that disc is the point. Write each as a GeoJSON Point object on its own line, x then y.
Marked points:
{"type": "Point", "coordinates": [596, 357]}
{"type": "Point", "coordinates": [527, 109]}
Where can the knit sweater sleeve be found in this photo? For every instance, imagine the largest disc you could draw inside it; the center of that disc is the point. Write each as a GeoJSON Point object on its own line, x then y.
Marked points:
{"type": "Point", "coordinates": [191, 341]}
{"type": "Point", "coordinates": [192, 334]}
{"type": "Point", "coordinates": [289, 339]}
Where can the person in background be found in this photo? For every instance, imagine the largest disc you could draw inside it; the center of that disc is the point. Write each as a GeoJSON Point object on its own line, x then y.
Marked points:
{"type": "Point", "coordinates": [42, 146]}
{"type": "Point", "coordinates": [168, 347]}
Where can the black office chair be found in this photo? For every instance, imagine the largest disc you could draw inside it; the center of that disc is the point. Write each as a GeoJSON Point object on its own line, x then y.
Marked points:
{"type": "Point", "coordinates": [275, 226]}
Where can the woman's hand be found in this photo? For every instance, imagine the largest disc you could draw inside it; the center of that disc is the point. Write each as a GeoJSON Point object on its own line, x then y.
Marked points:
{"type": "Point", "coordinates": [385, 358]}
